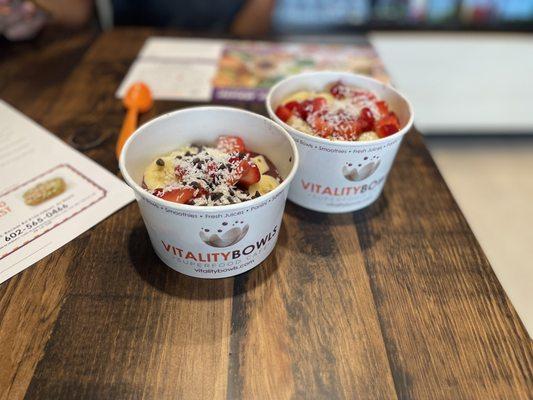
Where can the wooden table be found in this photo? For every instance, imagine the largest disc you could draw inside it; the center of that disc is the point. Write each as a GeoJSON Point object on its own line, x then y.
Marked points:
{"type": "Point", "coordinates": [397, 301]}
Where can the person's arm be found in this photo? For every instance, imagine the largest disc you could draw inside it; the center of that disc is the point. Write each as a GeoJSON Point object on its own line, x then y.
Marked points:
{"type": "Point", "coordinates": [68, 13]}
{"type": "Point", "coordinates": [20, 20]}
{"type": "Point", "coordinates": [254, 18]}
{"type": "Point", "coordinates": [23, 19]}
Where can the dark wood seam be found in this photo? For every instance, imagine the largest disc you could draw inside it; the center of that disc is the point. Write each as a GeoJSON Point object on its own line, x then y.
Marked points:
{"type": "Point", "coordinates": [75, 260]}
{"type": "Point", "coordinates": [234, 386]}
{"type": "Point", "coordinates": [363, 243]}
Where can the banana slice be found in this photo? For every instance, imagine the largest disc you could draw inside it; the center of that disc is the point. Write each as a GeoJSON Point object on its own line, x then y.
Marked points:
{"type": "Point", "coordinates": [266, 184]}
{"type": "Point", "coordinates": [307, 95]}
{"type": "Point", "coordinates": [370, 135]}
{"type": "Point", "coordinates": [328, 96]}
{"type": "Point", "coordinates": [300, 96]}
{"type": "Point", "coordinates": [159, 176]}
{"type": "Point", "coordinates": [261, 164]}
{"type": "Point", "coordinates": [300, 124]}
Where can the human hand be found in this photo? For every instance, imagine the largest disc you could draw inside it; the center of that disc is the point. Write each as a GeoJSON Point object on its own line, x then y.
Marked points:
{"type": "Point", "coordinates": [20, 20]}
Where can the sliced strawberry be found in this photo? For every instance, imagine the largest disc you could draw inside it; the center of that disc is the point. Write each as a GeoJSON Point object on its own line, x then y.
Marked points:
{"type": "Point", "coordinates": [321, 127]}
{"type": "Point", "coordinates": [318, 103]}
{"type": "Point", "coordinates": [338, 90]}
{"type": "Point", "coordinates": [250, 175]}
{"type": "Point", "coordinates": [246, 174]}
{"type": "Point", "coordinates": [349, 130]}
{"type": "Point", "coordinates": [382, 107]}
{"type": "Point", "coordinates": [395, 119]}
{"type": "Point", "coordinates": [244, 171]}
{"type": "Point", "coordinates": [294, 107]}
{"type": "Point", "coordinates": [230, 144]}
{"type": "Point", "coordinates": [390, 119]}
{"type": "Point", "coordinates": [367, 115]}
{"type": "Point", "coordinates": [387, 125]}
{"type": "Point", "coordinates": [283, 113]}
{"type": "Point", "coordinates": [386, 130]}
{"type": "Point", "coordinates": [365, 120]}
{"type": "Point", "coordinates": [200, 192]}
{"type": "Point", "coordinates": [361, 94]}
{"type": "Point", "coordinates": [236, 160]}
{"type": "Point", "coordinates": [181, 196]}
{"type": "Point", "coordinates": [306, 107]}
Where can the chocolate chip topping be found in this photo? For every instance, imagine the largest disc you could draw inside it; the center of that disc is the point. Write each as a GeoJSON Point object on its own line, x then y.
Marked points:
{"type": "Point", "coordinates": [216, 195]}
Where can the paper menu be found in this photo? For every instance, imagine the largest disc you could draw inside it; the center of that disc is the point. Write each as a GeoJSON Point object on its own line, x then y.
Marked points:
{"type": "Point", "coordinates": [176, 68]}
{"type": "Point", "coordinates": [49, 192]}
{"type": "Point", "coordinates": [203, 70]}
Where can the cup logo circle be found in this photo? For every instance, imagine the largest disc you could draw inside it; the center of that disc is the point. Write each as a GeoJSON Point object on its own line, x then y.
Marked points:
{"type": "Point", "coordinates": [227, 234]}
{"type": "Point", "coordinates": [362, 170]}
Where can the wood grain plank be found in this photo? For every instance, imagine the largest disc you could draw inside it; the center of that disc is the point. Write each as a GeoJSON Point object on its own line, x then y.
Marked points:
{"type": "Point", "coordinates": [133, 328]}
{"type": "Point", "coordinates": [307, 326]}
{"type": "Point", "coordinates": [29, 307]}
{"type": "Point", "coordinates": [449, 328]}
{"type": "Point", "coordinates": [32, 73]}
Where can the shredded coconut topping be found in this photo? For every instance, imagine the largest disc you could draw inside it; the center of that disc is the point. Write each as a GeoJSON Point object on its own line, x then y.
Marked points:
{"type": "Point", "coordinates": [341, 112]}
{"type": "Point", "coordinates": [211, 173]}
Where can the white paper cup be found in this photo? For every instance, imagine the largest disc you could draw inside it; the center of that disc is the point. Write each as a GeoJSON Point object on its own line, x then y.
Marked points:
{"type": "Point", "coordinates": [340, 176]}
{"type": "Point", "coordinates": [211, 241]}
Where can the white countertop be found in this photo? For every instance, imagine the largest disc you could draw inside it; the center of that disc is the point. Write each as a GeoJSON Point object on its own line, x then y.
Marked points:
{"type": "Point", "coordinates": [463, 82]}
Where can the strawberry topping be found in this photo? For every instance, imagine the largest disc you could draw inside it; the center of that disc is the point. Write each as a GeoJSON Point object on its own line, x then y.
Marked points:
{"type": "Point", "coordinates": [353, 112]}
{"type": "Point", "coordinates": [230, 144]}
{"type": "Point", "coordinates": [181, 195]}
{"type": "Point", "coordinates": [283, 113]}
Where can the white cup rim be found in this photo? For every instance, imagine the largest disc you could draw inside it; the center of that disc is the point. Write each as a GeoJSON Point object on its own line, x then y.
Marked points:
{"type": "Point", "coordinates": [339, 143]}
{"type": "Point", "coordinates": [206, 209]}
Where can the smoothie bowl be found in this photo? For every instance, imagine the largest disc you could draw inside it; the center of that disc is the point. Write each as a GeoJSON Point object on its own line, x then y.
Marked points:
{"type": "Point", "coordinates": [211, 184]}
{"type": "Point", "coordinates": [347, 129]}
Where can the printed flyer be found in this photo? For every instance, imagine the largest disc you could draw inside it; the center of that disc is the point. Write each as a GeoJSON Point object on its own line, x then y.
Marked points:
{"type": "Point", "coordinates": [205, 70]}
{"type": "Point", "coordinates": [49, 193]}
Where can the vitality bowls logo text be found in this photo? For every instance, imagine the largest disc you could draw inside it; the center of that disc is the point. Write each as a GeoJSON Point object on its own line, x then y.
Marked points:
{"type": "Point", "coordinates": [353, 172]}
{"type": "Point", "coordinates": [339, 191]}
{"type": "Point", "coordinates": [248, 251]}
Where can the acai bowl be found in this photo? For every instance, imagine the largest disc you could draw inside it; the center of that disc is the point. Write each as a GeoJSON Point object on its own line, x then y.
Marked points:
{"type": "Point", "coordinates": [196, 226]}
{"type": "Point", "coordinates": [347, 147]}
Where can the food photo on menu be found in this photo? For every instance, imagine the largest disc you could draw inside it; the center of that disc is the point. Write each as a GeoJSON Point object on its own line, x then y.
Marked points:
{"type": "Point", "coordinates": [266, 199]}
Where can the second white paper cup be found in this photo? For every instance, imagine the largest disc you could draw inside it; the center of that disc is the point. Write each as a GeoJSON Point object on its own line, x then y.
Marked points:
{"type": "Point", "coordinates": [340, 176]}
{"type": "Point", "coordinates": [215, 241]}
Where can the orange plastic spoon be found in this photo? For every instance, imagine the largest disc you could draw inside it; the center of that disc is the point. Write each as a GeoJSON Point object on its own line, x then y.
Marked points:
{"type": "Point", "coordinates": [138, 100]}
